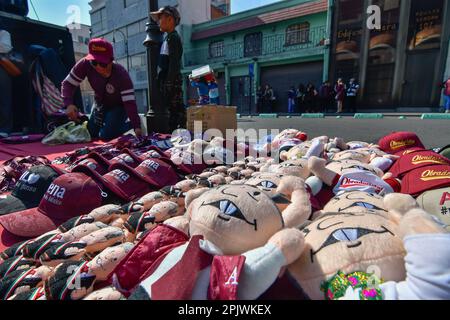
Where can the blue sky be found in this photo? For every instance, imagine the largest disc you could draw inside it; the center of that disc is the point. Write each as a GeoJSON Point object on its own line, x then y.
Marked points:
{"type": "Point", "coordinates": [242, 5]}
{"type": "Point", "coordinates": [60, 12]}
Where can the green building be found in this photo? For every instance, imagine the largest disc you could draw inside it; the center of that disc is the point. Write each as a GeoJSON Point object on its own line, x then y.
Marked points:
{"type": "Point", "coordinates": [283, 44]}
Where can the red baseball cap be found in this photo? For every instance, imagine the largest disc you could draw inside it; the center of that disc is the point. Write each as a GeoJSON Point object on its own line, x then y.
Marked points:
{"type": "Point", "coordinates": [101, 51]}
{"type": "Point", "coordinates": [427, 178]}
{"type": "Point", "coordinates": [417, 159]}
{"type": "Point", "coordinates": [69, 195]}
{"type": "Point", "coordinates": [95, 161]}
{"type": "Point", "coordinates": [122, 180]}
{"type": "Point", "coordinates": [128, 158]}
{"type": "Point", "coordinates": [400, 141]}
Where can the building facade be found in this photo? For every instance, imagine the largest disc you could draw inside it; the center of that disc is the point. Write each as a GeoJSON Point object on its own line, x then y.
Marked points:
{"type": "Point", "coordinates": [283, 44]}
{"type": "Point", "coordinates": [123, 23]}
{"type": "Point", "coordinates": [81, 35]}
{"type": "Point", "coordinates": [399, 66]}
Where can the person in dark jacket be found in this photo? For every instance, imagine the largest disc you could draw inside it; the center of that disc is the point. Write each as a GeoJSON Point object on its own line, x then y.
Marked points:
{"type": "Point", "coordinates": [325, 96]}
{"type": "Point", "coordinates": [169, 66]}
{"type": "Point", "coordinates": [301, 91]}
{"type": "Point", "coordinates": [291, 100]}
{"type": "Point", "coordinates": [352, 95]}
{"type": "Point", "coordinates": [310, 98]}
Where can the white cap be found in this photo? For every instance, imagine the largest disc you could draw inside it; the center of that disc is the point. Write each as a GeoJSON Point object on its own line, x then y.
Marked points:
{"type": "Point", "coordinates": [5, 42]}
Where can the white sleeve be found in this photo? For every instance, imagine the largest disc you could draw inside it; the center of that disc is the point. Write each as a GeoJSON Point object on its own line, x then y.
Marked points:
{"type": "Point", "coordinates": [261, 270]}
{"type": "Point", "coordinates": [427, 271]}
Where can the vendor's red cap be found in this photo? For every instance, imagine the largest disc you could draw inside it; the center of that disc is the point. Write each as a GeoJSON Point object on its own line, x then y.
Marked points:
{"type": "Point", "coordinates": [70, 195]}
{"type": "Point", "coordinates": [416, 159]}
{"type": "Point", "coordinates": [427, 178]}
{"type": "Point", "coordinates": [101, 51]}
{"type": "Point", "coordinates": [400, 141]}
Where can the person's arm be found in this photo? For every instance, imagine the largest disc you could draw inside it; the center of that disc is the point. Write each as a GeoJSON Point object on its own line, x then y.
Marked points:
{"type": "Point", "coordinates": [175, 54]}
{"type": "Point", "coordinates": [73, 81]}
{"type": "Point", "coordinates": [129, 101]}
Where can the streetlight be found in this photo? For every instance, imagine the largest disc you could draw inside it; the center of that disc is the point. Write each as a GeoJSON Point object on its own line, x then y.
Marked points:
{"type": "Point", "coordinates": [158, 115]}
{"type": "Point", "coordinates": [126, 45]}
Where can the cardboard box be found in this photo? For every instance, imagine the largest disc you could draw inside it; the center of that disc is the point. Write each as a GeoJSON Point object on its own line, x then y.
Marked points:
{"type": "Point", "coordinates": [212, 117]}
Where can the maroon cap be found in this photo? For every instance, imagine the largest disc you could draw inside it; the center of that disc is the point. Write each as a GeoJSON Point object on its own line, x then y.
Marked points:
{"type": "Point", "coordinates": [416, 159]}
{"type": "Point", "coordinates": [159, 172]}
{"type": "Point", "coordinates": [128, 158]}
{"type": "Point", "coordinates": [101, 51]}
{"type": "Point", "coordinates": [426, 178]}
{"type": "Point", "coordinates": [400, 141]}
{"type": "Point", "coordinates": [122, 180]}
{"type": "Point", "coordinates": [95, 161]}
{"type": "Point", "coordinates": [70, 195]}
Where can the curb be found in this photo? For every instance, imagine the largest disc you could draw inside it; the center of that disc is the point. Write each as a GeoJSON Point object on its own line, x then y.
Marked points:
{"type": "Point", "coordinates": [313, 116]}
{"type": "Point", "coordinates": [436, 116]}
{"type": "Point", "coordinates": [268, 115]}
{"type": "Point", "coordinates": [369, 116]}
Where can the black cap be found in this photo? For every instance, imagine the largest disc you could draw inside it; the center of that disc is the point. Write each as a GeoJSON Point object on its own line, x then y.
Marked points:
{"type": "Point", "coordinates": [29, 190]}
{"type": "Point", "coordinates": [171, 11]}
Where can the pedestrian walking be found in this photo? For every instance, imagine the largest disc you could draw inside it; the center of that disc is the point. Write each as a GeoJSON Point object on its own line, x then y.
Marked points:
{"type": "Point", "coordinates": [352, 94]}
{"type": "Point", "coordinates": [311, 98]}
{"type": "Point", "coordinates": [325, 96]}
{"type": "Point", "coordinates": [291, 100]}
{"type": "Point", "coordinates": [259, 100]}
{"type": "Point", "coordinates": [339, 89]}
{"type": "Point", "coordinates": [301, 91]}
{"type": "Point", "coordinates": [446, 87]}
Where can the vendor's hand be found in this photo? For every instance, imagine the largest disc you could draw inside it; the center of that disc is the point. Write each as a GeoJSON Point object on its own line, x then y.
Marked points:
{"type": "Point", "coordinates": [138, 132]}
{"type": "Point", "coordinates": [72, 112]}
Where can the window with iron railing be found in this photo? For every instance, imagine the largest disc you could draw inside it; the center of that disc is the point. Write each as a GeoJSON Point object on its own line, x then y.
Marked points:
{"type": "Point", "coordinates": [253, 44]}
{"type": "Point", "coordinates": [297, 34]}
{"type": "Point", "coordinates": [216, 49]}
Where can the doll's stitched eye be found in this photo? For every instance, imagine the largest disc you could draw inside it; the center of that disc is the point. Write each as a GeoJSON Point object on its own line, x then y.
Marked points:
{"type": "Point", "coordinates": [320, 228]}
{"type": "Point", "coordinates": [228, 208]}
{"type": "Point", "coordinates": [267, 184]}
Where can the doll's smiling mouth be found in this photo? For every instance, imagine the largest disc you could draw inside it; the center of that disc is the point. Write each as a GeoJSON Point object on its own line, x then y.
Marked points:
{"type": "Point", "coordinates": [350, 236]}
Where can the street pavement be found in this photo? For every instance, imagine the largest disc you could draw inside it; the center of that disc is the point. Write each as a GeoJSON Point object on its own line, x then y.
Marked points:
{"type": "Point", "coordinates": [433, 133]}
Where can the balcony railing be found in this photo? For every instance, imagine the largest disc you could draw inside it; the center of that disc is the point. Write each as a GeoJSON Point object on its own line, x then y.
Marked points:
{"type": "Point", "coordinates": [270, 45]}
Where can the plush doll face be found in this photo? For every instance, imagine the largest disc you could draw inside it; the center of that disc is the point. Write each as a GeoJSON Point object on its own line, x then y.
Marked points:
{"type": "Point", "coordinates": [297, 152]}
{"type": "Point", "coordinates": [345, 166]}
{"type": "Point", "coordinates": [267, 182]}
{"type": "Point", "coordinates": [348, 243]}
{"type": "Point", "coordinates": [356, 202]}
{"type": "Point", "coordinates": [298, 168]}
{"type": "Point", "coordinates": [236, 218]}
{"type": "Point", "coordinates": [357, 154]}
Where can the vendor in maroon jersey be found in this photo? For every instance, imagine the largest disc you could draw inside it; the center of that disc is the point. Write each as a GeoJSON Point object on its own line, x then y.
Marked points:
{"type": "Point", "coordinates": [115, 110]}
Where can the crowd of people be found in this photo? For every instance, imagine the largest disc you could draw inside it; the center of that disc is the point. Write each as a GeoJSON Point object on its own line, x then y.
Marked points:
{"type": "Point", "coordinates": [308, 99]}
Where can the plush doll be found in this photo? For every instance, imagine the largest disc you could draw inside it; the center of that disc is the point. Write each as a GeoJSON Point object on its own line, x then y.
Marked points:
{"type": "Point", "coordinates": [75, 280]}
{"type": "Point", "coordinates": [349, 175]}
{"type": "Point", "coordinates": [238, 230]}
{"type": "Point", "coordinates": [282, 137]}
{"type": "Point", "coordinates": [298, 168]}
{"type": "Point", "coordinates": [355, 202]}
{"type": "Point", "coordinates": [402, 255]}
{"type": "Point", "coordinates": [106, 294]}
